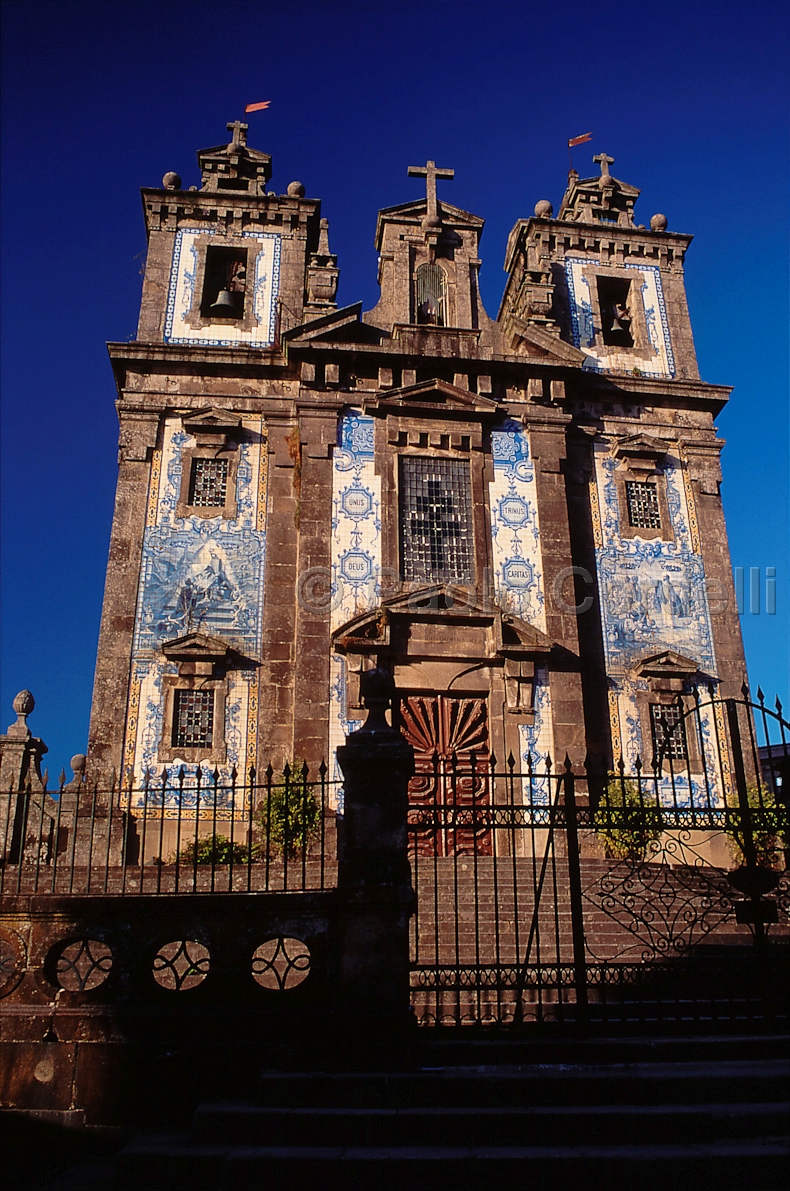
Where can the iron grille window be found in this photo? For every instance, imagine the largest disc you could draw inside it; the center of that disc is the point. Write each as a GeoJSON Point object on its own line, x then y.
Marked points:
{"type": "Point", "coordinates": [436, 520]}
{"type": "Point", "coordinates": [193, 719]}
{"type": "Point", "coordinates": [431, 295]}
{"type": "Point", "coordinates": [643, 510]}
{"type": "Point", "coordinates": [669, 737]}
{"type": "Point", "coordinates": [208, 483]}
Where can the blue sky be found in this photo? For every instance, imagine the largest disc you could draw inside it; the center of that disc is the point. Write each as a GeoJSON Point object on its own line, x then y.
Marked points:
{"type": "Point", "coordinates": [102, 98]}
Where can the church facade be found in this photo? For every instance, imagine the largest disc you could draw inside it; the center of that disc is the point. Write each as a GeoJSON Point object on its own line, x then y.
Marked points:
{"type": "Point", "coordinates": [519, 517]}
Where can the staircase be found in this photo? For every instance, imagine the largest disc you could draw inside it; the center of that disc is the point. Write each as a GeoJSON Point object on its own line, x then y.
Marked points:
{"type": "Point", "coordinates": [637, 1114]}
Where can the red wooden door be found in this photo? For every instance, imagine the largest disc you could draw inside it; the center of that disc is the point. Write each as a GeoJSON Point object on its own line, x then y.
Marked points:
{"type": "Point", "coordinates": [450, 787]}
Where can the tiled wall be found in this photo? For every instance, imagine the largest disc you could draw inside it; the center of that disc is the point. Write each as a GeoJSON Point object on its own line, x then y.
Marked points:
{"type": "Point", "coordinates": [199, 575]}
{"type": "Point", "coordinates": [515, 527]}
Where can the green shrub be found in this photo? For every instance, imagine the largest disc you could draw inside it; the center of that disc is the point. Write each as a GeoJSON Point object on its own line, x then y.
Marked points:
{"type": "Point", "coordinates": [625, 823]}
{"type": "Point", "coordinates": [211, 849]}
{"type": "Point", "coordinates": [289, 815]}
{"type": "Point", "coordinates": [765, 827]}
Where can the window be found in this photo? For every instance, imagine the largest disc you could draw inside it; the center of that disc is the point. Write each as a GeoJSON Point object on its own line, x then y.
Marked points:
{"type": "Point", "coordinates": [642, 500]}
{"type": "Point", "coordinates": [431, 303]}
{"type": "Point", "coordinates": [193, 719]}
{"type": "Point", "coordinates": [208, 483]}
{"type": "Point", "coordinates": [669, 737]}
{"type": "Point", "coordinates": [436, 520]}
{"type": "Point", "coordinates": [225, 283]}
{"type": "Point", "coordinates": [613, 295]}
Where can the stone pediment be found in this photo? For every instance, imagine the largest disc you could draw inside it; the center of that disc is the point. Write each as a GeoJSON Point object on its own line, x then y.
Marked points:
{"type": "Point", "coordinates": [328, 326]}
{"type": "Point", "coordinates": [640, 446]}
{"type": "Point", "coordinates": [667, 664]}
{"type": "Point", "coordinates": [210, 420]}
{"type": "Point", "coordinates": [441, 603]}
{"type": "Point", "coordinates": [197, 647]}
{"type": "Point", "coordinates": [431, 396]}
{"type": "Point", "coordinates": [532, 340]}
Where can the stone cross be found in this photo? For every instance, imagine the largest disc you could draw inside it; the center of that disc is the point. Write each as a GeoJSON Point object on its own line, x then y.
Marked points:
{"type": "Point", "coordinates": [599, 159]}
{"type": "Point", "coordinates": [239, 131]}
{"type": "Point", "coordinates": [430, 173]}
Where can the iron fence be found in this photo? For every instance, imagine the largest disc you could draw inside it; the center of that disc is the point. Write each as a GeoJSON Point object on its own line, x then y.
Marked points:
{"type": "Point", "coordinates": [178, 832]}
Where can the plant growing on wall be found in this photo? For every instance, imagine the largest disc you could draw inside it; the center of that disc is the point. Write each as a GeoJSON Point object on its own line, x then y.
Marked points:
{"type": "Point", "coordinates": [211, 849]}
{"type": "Point", "coordinates": [289, 817]}
{"type": "Point", "coordinates": [625, 822]}
{"type": "Point", "coordinates": [765, 827]}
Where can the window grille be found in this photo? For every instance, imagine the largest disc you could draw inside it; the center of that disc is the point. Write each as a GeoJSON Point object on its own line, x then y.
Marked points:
{"type": "Point", "coordinates": [431, 295]}
{"type": "Point", "coordinates": [436, 520]}
{"type": "Point", "coordinates": [193, 719]}
{"type": "Point", "coordinates": [669, 737]}
{"type": "Point", "coordinates": [208, 483]}
{"type": "Point", "coordinates": [643, 510]}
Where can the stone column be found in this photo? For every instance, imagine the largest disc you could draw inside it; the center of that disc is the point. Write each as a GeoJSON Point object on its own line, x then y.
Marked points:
{"type": "Point", "coordinates": [20, 778]}
{"type": "Point", "coordinates": [374, 882]}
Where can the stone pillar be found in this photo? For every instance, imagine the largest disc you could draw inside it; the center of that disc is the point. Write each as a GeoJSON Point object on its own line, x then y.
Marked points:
{"type": "Point", "coordinates": [20, 778]}
{"type": "Point", "coordinates": [374, 882]}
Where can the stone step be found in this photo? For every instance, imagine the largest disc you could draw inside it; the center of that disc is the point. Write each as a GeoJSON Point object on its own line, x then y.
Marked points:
{"type": "Point", "coordinates": [172, 1164]}
{"type": "Point", "coordinates": [246, 1124]}
{"type": "Point", "coordinates": [536, 1084]}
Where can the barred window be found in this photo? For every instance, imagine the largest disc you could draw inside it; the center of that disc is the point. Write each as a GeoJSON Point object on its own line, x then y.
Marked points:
{"type": "Point", "coordinates": [436, 520]}
{"type": "Point", "coordinates": [643, 510]}
{"type": "Point", "coordinates": [193, 719]}
{"type": "Point", "coordinates": [431, 295]}
{"type": "Point", "coordinates": [208, 483]}
{"type": "Point", "coordinates": [669, 736]}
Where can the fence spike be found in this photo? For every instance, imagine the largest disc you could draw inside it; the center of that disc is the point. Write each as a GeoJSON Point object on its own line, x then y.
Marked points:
{"type": "Point", "coordinates": [322, 770]}
{"type": "Point", "coordinates": [45, 778]}
{"type": "Point", "coordinates": [549, 765]}
{"type": "Point", "coordinates": [711, 689]}
{"type": "Point", "coordinates": [304, 771]}
{"type": "Point", "coordinates": [492, 760]}
{"type": "Point", "coordinates": [778, 705]}
{"type": "Point", "coordinates": [473, 760]}
{"type": "Point", "coordinates": [745, 691]}
{"type": "Point", "coordinates": [253, 774]}
{"type": "Point", "coordinates": [568, 763]}
{"type": "Point", "coordinates": [215, 775]}
{"type": "Point", "coordinates": [638, 764]}
{"type": "Point", "coordinates": [621, 766]}
{"type": "Point", "coordinates": [62, 778]}
{"type": "Point", "coordinates": [760, 695]}
{"type": "Point", "coordinates": [511, 761]}
{"type": "Point", "coordinates": [286, 772]}
{"type": "Point", "coordinates": [181, 775]}
{"type": "Point", "coordinates": [234, 773]}
{"type": "Point", "coordinates": [269, 774]}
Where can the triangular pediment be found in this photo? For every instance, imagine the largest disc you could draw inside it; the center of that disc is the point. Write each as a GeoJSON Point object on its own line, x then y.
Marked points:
{"type": "Point", "coordinates": [667, 663]}
{"type": "Point", "coordinates": [640, 446]}
{"type": "Point", "coordinates": [447, 603]}
{"type": "Point", "coordinates": [196, 647]}
{"type": "Point", "coordinates": [326, 326]}
{"type": "Point", "coordinates": [210, 418]}
{"type": "Point", "coordinates": [431, 395]}
{"type": "Point", "coordinates": [532, 340]}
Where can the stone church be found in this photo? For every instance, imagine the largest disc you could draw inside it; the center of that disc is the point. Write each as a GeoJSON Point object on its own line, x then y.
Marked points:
{"type": "Point", "coordinates": [518, 516]}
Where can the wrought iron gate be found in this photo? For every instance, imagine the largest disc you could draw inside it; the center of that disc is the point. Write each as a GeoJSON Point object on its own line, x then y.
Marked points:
{"type": "Point", "coordinates": [652, 893]}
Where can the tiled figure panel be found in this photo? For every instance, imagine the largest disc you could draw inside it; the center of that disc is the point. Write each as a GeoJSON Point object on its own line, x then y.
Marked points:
{"type": "Point", "coordinates": [203, 575]}
{"type": "Point", "coordinates": [356, 551]}
{"type": "Point", "coordinates": [652, 598]}
{"type": "Point", "coordinates": [182, 298]}
{"type": "Point", "coordinates": [601, 357]}
{"type": "Point", "coordinates": [515, 527]}
{"type": "Point", "coordinates": [537, 746]}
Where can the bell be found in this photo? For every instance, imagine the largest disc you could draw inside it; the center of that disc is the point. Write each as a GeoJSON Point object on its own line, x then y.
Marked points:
{"type": "Point", "coordinates": [224, 305]}
{"type": "Point", "coordinates": [616, 324]}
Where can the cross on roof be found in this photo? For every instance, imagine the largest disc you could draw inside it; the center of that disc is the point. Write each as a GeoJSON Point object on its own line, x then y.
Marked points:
{"type": "Point", "coordinates": [430, 173]}
{"type": "Point", "coordinates": [602, 160]}
{"type": "Point", "coordinates": [239, 131]}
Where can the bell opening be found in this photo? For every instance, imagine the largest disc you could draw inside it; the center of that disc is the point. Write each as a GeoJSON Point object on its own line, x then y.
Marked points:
{"type": "Point", "coordinates": [225, 283]}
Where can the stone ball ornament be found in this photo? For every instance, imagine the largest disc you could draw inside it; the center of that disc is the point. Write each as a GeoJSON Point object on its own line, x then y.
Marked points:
{"type": "Point", "coordinates": [544, 209]}
{"type": "Point", "coordinates": [295, 190]}
{"type": "Point", "coordinates": [23, 703]}
{"type": "Point", "coordinates": [659, 223]}
{"type": "Point", "coordinates": [171, 181]}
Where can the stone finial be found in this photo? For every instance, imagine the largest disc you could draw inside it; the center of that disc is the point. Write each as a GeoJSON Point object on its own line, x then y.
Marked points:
{"type": "Point", "coordinates": [323, 238]}
{"type": "Point", "coordinates": [544, 209]}
{"type": "Point", "coordinates": [171, 181]}
{"type": "Point", "coordinates": [77, 763]}
{"type": "Point", "coordinates": [658, 223]}
{"type": "Point", "coordinates": [23, 704]}
{"type": "Point", "coordinates": [295, 190]}
{"type": "Point", "coordinates": [377, 691]}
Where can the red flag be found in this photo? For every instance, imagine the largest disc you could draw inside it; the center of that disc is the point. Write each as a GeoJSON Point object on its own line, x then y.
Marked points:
{"type": "Point", "coordinates": [257, 107]}
{"type": "Point", "coordinates": [579, 140]}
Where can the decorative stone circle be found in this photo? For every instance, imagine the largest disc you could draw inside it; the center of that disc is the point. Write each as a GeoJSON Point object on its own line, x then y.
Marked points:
{"type": "Point", "coordinates": [544, 209]}
{"type": "Point", "coordinates": [171, 181]}
{"type": "Point", "coordinates": [295, 190]}
{"type": "Point", "coordinates": [181, 965]}
{"type": "Point", "coordinates": [12, 960]}
{"type": "Point", "coordinates": [83, 965]}
{"type": "Point", "coordinates": [659, 223]}
{"type": "Point", "coordinates": [281, 964]}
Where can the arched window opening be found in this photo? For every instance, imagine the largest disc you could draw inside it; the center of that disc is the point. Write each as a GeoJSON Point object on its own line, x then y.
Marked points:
{"type": "Point", "coordinates": [431, 296]}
